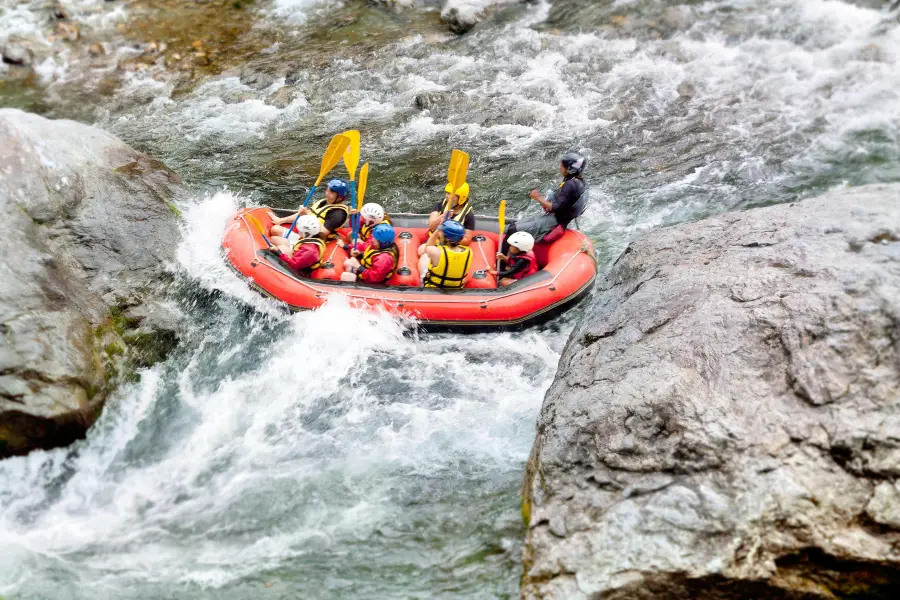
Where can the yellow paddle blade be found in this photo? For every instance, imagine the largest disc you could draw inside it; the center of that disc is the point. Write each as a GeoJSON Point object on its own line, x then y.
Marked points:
{"type": "Point", "coordinates": [333, 155]}
{"type": "Point", "coordinates": [462, 169]}
{"type": "Point", "coordinates": [361, 186]}
{"type": "Point", "coordinates": [501, 217]}
{"type": "Point", "coordinates": [453, 167]}
{"type": "Point", "coordinates": [351, 154]}
{"type": "Point", "coordinates": [256, 224]}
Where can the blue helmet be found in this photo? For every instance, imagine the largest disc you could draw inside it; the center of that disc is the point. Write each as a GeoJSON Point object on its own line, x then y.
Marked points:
{"type": "Point", "coordinates": [340, 187]}
{"type": "Point", "coordinates": [384, 233]}
{"type": "Point", "coordinates": [453, 231]}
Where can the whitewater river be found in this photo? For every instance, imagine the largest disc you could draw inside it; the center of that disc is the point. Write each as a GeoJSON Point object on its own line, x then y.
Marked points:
{"type": "Point", "coordinates": [338, 454]}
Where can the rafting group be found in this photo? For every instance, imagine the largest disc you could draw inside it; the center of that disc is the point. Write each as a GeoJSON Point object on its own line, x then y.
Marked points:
{"type": "Point", "coordinates": [299, 240]}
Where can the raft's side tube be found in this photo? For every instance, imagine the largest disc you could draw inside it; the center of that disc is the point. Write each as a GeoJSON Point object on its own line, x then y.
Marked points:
{"type": "Point", "coordinates": [407, 272]}
{"type": "Point", "coordinates": [332, 262]}
{"type": "Point", "coordinates": [484, 257]}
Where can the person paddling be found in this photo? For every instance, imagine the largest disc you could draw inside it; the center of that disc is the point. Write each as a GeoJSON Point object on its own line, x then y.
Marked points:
{"type": "Point", "coordinates": [378, 257]}
{"type": "Point", "coordinates": [561, 208]}
{"type": "Point", "coordinates": [331, 211]}
{"type": "Point", "coordinates": [304, 254]}
{"type": "Point", "coordinates": [521, 261]}
{"type": "Point", "coordinates": [454, 207]}
{"type": "Point", "coordinates": [446, 265]}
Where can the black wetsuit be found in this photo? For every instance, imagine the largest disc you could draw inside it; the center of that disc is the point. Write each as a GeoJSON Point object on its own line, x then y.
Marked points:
{"type": "Point", "coordinates": [564, 208]}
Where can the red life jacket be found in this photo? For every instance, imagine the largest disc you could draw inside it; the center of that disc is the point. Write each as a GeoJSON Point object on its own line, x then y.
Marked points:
{"type": "Point", "coordinates": [532, 267]}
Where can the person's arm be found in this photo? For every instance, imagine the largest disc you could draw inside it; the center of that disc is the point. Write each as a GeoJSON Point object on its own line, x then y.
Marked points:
{"type": "Point", "coordinates": [469, 224]}
{"type": "Point", "coordinates": [537, 197]}
{"type": "Point", "coordinates": [434, 254]}
{"type": "Point", "coordinates": [304, 257]}
{"type": "Point", "coordinates": [436, 217]}
{"type": "Point", "coordinates": [514, 265]}
{"type": "Point", "coordinates": [566, 198]}
{"type": "Point", "coordinates": [433, 239]}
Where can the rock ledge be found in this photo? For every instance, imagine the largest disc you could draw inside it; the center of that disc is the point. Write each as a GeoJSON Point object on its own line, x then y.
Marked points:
{"type": "Point", "coordinates": [88, 227]}
{"type": "Point", "coordinates": [725, 422]}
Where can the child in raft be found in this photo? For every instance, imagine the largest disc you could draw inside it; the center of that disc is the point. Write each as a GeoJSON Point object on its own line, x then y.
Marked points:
{"type": "Point", "coordinates": [373, 261]}
{"type": "Point", "coordinates": [521, 261]}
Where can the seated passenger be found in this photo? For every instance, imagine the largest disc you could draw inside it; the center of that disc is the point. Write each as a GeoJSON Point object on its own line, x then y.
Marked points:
{"type": "Point", "coordinates": [330, 210]}
{"type": "Point", "coordinates": [301, 254]}
{"type": "Point", "coordinates": [372, 215]}
{"type": "Point", "coordinates": [446, 265]}
{"type": "Point", "coordinates": [521, 261]}
{"type": "Point", "coordinates": [455, 207]}
{"type": "Point", "coordinates": [379, 257]}
{"type": "Point", "coordinates": [562, 208]}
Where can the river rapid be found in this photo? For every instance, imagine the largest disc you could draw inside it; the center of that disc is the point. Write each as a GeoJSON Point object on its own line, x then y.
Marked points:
{"type": "Point", "coordinates": [341, 454]}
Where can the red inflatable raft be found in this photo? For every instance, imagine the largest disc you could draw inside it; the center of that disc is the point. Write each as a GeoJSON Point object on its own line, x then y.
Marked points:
{"type": "Point", "coordinates": [567, 271]}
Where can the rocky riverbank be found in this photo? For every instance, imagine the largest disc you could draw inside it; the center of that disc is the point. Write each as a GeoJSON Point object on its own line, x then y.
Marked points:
{"type": "Point", "coordinates": [89, 225]}
{"type": "Point", "coordinates": [725, 422]}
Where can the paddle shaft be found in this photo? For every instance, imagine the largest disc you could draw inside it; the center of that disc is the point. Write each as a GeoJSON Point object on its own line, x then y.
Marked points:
{"type": "Point", "coordinates": [357, 217]}
{"type": "Point", "coordinates": [305, 202]}
{"type": "Point", "coordinates": [501, 218]}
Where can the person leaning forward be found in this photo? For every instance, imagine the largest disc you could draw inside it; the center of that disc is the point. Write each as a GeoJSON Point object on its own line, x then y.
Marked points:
{"type": "Point", "coordinates": [331, 211]}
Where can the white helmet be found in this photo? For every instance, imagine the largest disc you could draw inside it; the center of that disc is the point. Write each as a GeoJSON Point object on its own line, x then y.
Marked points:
{"type": "Point", "coordinates": [522, 240]}
{"type": "Point", "coordinates": [372, 213]}
{"type": "Point", "coordinates": [308, 226]}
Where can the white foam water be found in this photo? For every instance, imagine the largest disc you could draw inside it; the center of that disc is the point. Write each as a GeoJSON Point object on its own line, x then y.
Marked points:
{"type": "Point", "coordinates": [274, 440]}
{"type": "Point", "coordinates": [339, 453]}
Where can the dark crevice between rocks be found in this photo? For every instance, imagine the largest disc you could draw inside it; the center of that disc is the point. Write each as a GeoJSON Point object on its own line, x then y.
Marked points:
{"type": "Point", "coordinates": [21, 432]}
{"type": "Point", "coordinates": [589, 339]}
{"type": "Point", "coordinates": [807, 575]}
{"type": "Point", "coordinates": [854, 458]}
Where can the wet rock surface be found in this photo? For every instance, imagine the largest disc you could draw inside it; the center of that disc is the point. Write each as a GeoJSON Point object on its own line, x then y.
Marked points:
{"type": "Point", "coordinates": [725, 422]}
{"type": "Point", "coordinates": [89, 225]}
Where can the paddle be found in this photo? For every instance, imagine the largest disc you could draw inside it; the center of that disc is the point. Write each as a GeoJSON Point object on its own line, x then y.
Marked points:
{"type": "Point", "coordinates": [453, 167]}
{"type": "Point", "coordinates": [259, 226]}
{"type": "Point", "coordinates": [363, 180]}
{"type": "Point", "coordinates": [332, 157]}
{"type": "Point", "coordinates": [456, 173]}
{"type": "Point", "coordinates": [501, 218]}
{"type": "Point", "coordinates": [351, 154]}
{"type": "Point", "coordinates": [351, 161]}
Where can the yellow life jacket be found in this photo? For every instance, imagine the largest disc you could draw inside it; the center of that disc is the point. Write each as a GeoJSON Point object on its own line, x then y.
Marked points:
{"type": "Point", "coordinates": [320, 246]}
{"type": "Point", "coordinates": [321, 209]}
{"type": "Point", "coordinates": [370, 254]}
{"type": "Point", "coordinates": [366, 230]}
{"type": "Point", "coordinates": [450, 272]}
{"type": "Point", "coordinates": [459, 217]}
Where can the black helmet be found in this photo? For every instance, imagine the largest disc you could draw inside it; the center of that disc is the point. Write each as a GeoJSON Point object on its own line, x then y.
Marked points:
{"type": "Point", "coordinates": [573, 162]}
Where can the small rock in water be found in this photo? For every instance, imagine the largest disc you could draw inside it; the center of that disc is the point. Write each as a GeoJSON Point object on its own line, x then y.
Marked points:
{"type": "Point", "coordinates": [68, 31]}
{"type": "Point", "coordinates": [17, 54]}
{"type": "Point", "coordinates": [462, 19]}
{"type": "Point", "coordinates": [271, 49]}
{"type": "Point", "coordinates": [282, 98]}
{"type": "Point", "coordinates": [256, 79]}
{"type": "Point", "coordinates": [687, 89]}
{"type": "Point", "coordinates": [60, 13]}
{"type": "Point", "coordinates": [96, 49]}
{"type": "Point", "coordinates": [426, 100]}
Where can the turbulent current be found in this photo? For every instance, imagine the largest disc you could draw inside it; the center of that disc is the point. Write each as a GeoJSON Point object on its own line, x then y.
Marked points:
{"type": "Point", "coordinates": [338, 454]}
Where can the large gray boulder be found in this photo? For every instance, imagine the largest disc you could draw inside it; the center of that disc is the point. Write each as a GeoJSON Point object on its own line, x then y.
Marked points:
{"type": "Point", "coordinates": [88, 225]}
{"type": "Point", "coordinates": [725, 422]}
